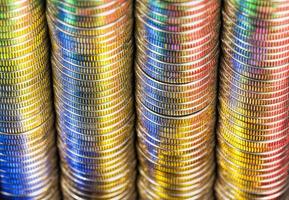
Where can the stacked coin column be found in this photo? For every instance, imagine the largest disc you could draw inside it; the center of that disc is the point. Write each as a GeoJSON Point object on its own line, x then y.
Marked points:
{"type": "Point", "coordinates": [28, 168]}
{"type": "Point", "coordinates": [175, 67]}
{"type": "Point", "coordinates": [92, 77]}
{"type": "Point", "coordinates": [254, 101]}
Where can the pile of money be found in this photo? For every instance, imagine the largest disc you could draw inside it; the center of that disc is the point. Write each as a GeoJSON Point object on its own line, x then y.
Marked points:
{"type": "Point", "coordinates": [253, 129]}
{"type": "Point", "coordinates": [175, 69]}
{"type": "Point", "coordinates": [92, 78]}
{"type": "Point", "coordinates": [28, 158]}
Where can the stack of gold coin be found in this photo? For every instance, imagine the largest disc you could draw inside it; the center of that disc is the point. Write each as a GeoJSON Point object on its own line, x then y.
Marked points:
{"type": "Point", "coordinates": [253, 129]}
{"type": "Point", "coordinates": [176, 62]}
{"type": "Point", "coordinates": [92, 77]}
{"type": "Point", "coordinates": [28, 159]}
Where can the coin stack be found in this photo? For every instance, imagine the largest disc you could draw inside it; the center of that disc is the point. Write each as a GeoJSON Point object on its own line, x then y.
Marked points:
{"type": "Point", "coordinates": [176, 63]}
{"type": "Point", "coordinates": [92, 76]}
{"type": "Point", "coordinates": [28, 161]}
{"type": "Point", "coordinates": [253, 124]}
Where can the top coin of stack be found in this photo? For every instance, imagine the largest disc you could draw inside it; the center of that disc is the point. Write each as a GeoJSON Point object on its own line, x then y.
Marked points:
{"type": "Point", "coordinates": [253, 129]}
{"type": "Point", "coordinates": [92, 76]}
{"type": "Point", "coordinates": [176, 62]}
{"type": "Point", "coordinates": [28, 167]}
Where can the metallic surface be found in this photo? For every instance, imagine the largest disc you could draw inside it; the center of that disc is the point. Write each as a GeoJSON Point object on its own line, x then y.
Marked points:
{"type": "Point", "coordinates": [253, 129]}
{"type": "Point", "coordinates": [28, 158]}
{"type": "Point", "coordinates": [92, 78]}
{"type": "Point", "coordinates": [175, 70]}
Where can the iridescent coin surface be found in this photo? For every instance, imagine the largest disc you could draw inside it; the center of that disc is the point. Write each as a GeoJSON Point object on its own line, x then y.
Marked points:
{"type": "Point", "coordinates": [175, 69]}
{"type": "Point", "coordinates": [28, 157]}
{"type": "Point", "coordinates": [253, 128]}
{"type": "Point", "coordinates": [92, 52]}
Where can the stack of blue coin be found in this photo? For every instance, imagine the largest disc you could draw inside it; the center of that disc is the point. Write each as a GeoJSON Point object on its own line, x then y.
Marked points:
{"type": "Point", "coordinates": [28, 158]}
{"type": "Point", "coordinates": [92, 79]}
{"type": "Point", "coordinates": [175, 67]}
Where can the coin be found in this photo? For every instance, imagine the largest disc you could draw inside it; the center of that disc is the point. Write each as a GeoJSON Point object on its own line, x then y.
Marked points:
{"type": "Point", "coordinates": [92, 53]}
{"type": "Point", "coordinates": [28, 165]}
{"type": "Point", "coordinates": [175, 67]}
{"type": "Point", "coordinates": [252, 149]}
